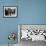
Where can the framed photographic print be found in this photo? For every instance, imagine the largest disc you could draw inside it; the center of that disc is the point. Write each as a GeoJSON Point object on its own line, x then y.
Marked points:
{"type": "Point", "coordinates": [33, 32]}
{"type": "Point", "coordinates": [10, 11]}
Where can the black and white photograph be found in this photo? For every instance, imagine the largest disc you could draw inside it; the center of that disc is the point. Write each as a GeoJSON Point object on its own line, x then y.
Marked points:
{"type": "Point", "coordinates": [10, 11]}
{"type": "Point", "coordinates": [29, 34]}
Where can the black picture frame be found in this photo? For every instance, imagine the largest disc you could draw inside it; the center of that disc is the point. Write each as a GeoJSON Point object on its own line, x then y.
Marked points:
{"type": "Point", "coordinates": [10, 11]}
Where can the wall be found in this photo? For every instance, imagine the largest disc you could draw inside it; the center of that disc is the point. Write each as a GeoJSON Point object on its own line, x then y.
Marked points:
{"type": "Point", "coordinates": [7, 25]}
{"type": "Point", "coordinates": [29, 12]}
{"type": "Point", "coordinates": [32, 11]}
